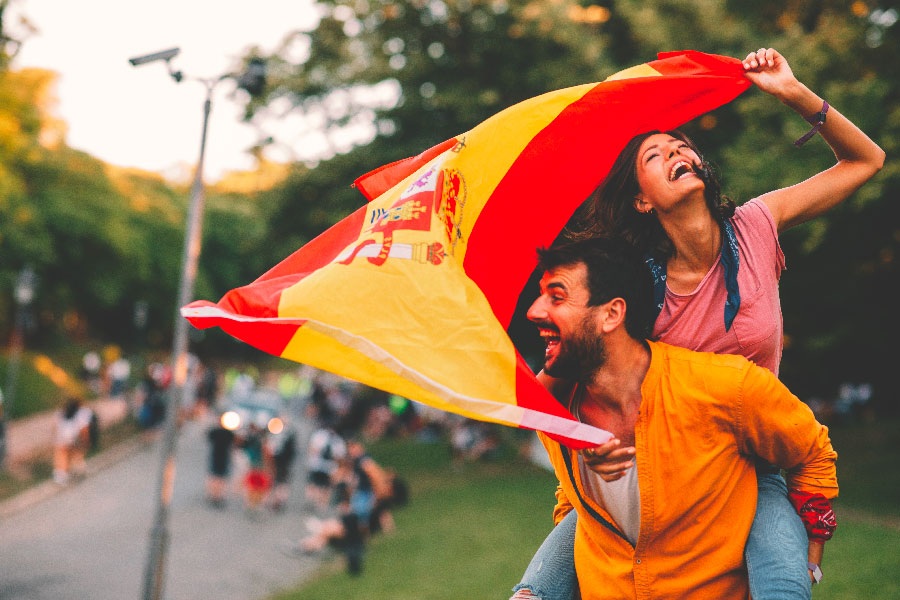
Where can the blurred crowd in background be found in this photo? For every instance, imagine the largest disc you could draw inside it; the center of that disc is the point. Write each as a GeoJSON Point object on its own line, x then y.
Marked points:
{"type": "Point", "coordinates": [266, 429]}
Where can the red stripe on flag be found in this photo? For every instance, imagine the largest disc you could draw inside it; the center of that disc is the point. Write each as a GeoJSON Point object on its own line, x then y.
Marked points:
{"type": "Point", "coordinates": [532, 395]}
{"type": "Point", "coordinates": [321, 251]}
{"type": "Point", "coordinates": [564, 163]}
{"type": "Point", "coordinates": [267, 336]}
{"type": "Point", "coordinates": [691, 62]}
{"type": "Point", "coordinates": [375, 183]}
{"type": "Point", "coordinates": [261, 298]}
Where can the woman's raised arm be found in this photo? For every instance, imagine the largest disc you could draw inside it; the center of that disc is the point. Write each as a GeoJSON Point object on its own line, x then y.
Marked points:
{"type": "Point", "coordinates": [858, 157]}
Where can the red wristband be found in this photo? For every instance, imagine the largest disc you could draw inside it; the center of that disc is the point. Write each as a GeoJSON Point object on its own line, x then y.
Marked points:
{"type": "Point", "coordinates": [816, 513]}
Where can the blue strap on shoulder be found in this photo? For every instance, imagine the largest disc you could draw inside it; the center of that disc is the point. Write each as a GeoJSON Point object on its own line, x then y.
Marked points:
{"type": "Point", "coordinates": [730, 263]}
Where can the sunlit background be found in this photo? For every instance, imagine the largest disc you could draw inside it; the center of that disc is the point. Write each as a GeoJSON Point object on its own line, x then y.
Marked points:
{"type": "Point", "coordinates": [96, 161]}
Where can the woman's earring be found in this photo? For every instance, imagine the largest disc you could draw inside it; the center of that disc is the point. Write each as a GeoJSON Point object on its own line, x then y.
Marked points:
{"type": "Point", "coordinates": [649, 211]}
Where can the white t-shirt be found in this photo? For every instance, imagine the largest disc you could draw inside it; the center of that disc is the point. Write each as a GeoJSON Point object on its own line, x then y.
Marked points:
{"type": "Point", "coordinates": [620, 498]}
{"type": "Point", "coordinates": [325, 448]}
{"type": "Point", "coordinates": [68, 430]}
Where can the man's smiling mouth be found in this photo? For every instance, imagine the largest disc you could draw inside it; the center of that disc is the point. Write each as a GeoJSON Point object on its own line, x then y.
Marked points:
{"type": "Point", "coordinates": [551, 340]}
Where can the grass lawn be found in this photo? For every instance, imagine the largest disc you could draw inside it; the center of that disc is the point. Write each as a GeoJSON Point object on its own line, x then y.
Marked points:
{"type": "Point", "coordinates": [867, 466]}
{"type": "Point", "coordinates": [470, 533]}
{"type": "Point", "coordinates": [34, 391]}
{"type": "Point", "coordinates": [862, 561]}
{"type": "Point", "coordinates": [464, 534]}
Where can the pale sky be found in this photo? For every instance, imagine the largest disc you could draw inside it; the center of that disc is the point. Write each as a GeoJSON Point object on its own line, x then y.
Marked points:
{"type": "Point", "coordinates": [138, 116]}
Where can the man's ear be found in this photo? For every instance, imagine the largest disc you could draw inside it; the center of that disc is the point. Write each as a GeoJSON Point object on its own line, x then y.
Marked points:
{"type": "Point", "coordinates": [614, 315]}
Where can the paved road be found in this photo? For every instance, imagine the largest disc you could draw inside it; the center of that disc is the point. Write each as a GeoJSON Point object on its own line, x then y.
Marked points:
{"type": "Point", "coordinates": [90, 540]}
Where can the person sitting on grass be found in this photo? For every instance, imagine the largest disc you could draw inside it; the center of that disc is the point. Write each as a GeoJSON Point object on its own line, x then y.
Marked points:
{"type": "Point", "coordinates": [356, 521]}
{"type": "Point", "coordinates": [345, 532]}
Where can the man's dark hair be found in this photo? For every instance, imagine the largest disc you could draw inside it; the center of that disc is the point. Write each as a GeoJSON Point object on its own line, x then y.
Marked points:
{"type": "Point", "coordinates": [614, 270]}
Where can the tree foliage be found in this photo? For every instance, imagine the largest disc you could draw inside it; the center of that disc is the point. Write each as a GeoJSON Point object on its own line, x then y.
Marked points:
{"type": "Point", "coordinates": [454, 63]}
{"type": "Point", "coordinates": [380, 80]}
{"type": "Point", "coordinates": [99, 238]}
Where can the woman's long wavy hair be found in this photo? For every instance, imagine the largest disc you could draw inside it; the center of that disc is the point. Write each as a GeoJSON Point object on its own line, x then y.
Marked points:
{"type": "Point", "coordinates": [609, 211]}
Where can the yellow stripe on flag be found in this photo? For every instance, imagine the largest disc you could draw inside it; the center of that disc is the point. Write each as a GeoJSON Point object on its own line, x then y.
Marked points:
{"type": "Point", "coordinates": [323, 350]}
{"type": "Point", "coordinates": [644, 70]}
{"type": "Point", "coordinates": [446, 329]}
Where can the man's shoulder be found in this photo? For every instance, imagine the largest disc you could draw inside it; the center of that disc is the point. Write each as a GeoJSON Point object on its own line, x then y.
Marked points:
{"type": "Point", "coordinates": [701, 383]}
{"type": "Point", "coordinates": [706, 365]}
{"type": "Point", "coordinates": [678, 357]}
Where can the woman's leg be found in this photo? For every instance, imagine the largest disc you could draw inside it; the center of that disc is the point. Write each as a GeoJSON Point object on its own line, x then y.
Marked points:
{"type": "Point", "coordinates": [776, 550]}
{"type": "Point", "coordinates": [60, 464]}
{"type": "Point", "coordinates": [77, 464]}
{"type": "Point", "coordinates": [551, 573]}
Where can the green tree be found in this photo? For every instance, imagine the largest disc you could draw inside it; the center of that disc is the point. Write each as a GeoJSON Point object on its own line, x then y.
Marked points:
{"type": "Point", "coordinates": [66, 217]}
{"type": "Point", "coordinates": [838, 322]}
{"type": "Point", "coordinates": [418, 73]}
{"type": "Point", "coordinates": [454, 63]}
{"type": "Point", "coordinates": [100, 238]}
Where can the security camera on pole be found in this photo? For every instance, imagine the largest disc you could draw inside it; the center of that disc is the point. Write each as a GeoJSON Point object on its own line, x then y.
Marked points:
{"type": "Point", "coordinates": [253, 78]}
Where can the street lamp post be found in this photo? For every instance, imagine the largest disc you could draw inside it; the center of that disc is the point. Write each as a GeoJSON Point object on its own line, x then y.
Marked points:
{"type": "Point", "coordinates": [141, 315]}
{"type": "Point", "coordinates": [159, 536]}
{"type": "Point", "coordinates": [179, 392]}
{"type": "Point", "coordinates": [24, 294]}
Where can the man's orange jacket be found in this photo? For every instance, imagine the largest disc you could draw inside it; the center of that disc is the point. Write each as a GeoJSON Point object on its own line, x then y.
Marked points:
{"type": "Point", "coordinates": [703, 420]}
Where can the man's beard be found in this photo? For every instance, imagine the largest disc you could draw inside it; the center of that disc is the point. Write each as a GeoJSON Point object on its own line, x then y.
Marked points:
{"type": "Point", "coordinates": [579, 357]}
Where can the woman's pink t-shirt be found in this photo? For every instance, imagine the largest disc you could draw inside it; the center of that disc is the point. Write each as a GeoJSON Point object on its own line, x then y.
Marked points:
{"type": "Point", "coordinates": [696, 321]}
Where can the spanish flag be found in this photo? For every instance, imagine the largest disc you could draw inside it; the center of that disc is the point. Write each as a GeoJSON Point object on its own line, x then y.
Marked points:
{"type": "Point", "coordinates": [413, 293]}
